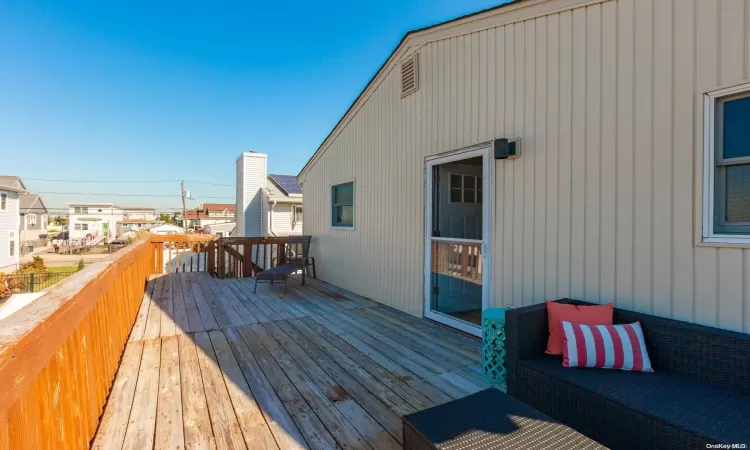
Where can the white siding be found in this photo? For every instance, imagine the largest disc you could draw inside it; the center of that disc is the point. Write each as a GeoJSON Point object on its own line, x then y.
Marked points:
{"type": "Point", "coordinates": [251, 178]}
{"type": "Point", "coordinates": [9, 222]}
{"type": "Point", "coordinates": [105, 213]}
{"type": "Point", "coordinates": [602, 205]}
{"type": "Point", "coordinates": [281, 220]}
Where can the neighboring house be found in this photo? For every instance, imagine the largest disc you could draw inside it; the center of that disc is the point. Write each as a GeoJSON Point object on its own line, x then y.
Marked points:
{"type": "Point", "coordinates": [33, 214]}
{"type": "Point", "coordinates": [221, 229]}
{"type": "Point", "coordinates": [136, 219]}
{"type": "Point", "coordinates": [33, 228]}
{"type": "Point", "coordinates": [134, 212]}
{"type": "Point", "coordinates": [135, 225]}
{"type": "Point", "coordinates": [10, 220]}
{"type": "Point", "coordinates": [94, 221]}
{"type": "Point", "coordinates": [167, 229]}
{"type": "Point", "coordinates": [269, 205]}
{"type": "Point", "coordinates": [210, 214]}
{"type": "Point", "coordinates": [631, 187]}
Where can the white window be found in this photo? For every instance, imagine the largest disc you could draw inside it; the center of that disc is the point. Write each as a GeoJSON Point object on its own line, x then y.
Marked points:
{"type": "Point", "coordinates": [3, 201]}
{"type": "Point", "coordinates": [726, 189]}
{"type": "Point", "coordinates": [466, 188]}
{"type": "Point", "coordinates": [12, 241]}
{"type": "Point", "coordinates": [81, 210]}
{"type": "Point", "coordinates": [82, 226]}
{"type": "Point", "coordinates": [31, 219]}
{"type": "Point", "coordinates": [342, 205]}
{"type": "Point", "coordinates": [297, 216]}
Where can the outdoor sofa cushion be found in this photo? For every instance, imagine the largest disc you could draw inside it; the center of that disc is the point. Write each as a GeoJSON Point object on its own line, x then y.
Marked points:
{"type": "Point", "coordinates": [706, 410]}
{"type": "Point", "coordinates": [587, 315]}
{"type": "Point", "coordinates": [620, 347]}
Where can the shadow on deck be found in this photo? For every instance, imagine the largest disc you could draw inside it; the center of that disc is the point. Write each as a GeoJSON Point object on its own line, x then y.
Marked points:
{"type": "Point", "coordinates": [210, 364]}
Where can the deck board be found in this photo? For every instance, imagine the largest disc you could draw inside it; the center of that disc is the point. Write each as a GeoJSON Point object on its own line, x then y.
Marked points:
{"type": "Point", "coordinates": [209, 364]}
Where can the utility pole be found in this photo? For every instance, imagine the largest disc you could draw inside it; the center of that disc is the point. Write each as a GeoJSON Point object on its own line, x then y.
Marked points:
{"type": "Point", "coordinates": [184, 209]}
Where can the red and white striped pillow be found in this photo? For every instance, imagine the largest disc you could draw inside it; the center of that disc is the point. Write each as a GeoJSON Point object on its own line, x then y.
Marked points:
{"type": "Point", "coordinates": [605, 346]}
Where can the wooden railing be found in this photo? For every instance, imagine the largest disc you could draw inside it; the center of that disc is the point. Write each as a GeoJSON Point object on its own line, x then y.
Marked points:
{"type": "Point", "coordinates": [183, 253]}
{"type": "Point", "coordinates": [458, 259]}
{"type": "Point", "coordinates": [59, 354]}
{"type": "Point", "coordinates": [238, 257]}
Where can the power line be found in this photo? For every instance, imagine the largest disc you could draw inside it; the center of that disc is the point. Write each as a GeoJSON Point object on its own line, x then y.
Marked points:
{"type": "Point", "coordinates": [129, 181]}
{"type": "Point", "coordinates": [124, 195]}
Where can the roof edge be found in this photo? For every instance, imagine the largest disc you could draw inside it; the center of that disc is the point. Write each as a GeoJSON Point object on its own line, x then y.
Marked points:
{"type": "Point", "coordinates": [401, 43]}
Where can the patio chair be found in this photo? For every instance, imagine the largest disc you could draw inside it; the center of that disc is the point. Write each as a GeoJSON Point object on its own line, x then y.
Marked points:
{"type": "Point", "coordinates": [298, 255]}
{"type": "Point", "coordinates": [296, 258]}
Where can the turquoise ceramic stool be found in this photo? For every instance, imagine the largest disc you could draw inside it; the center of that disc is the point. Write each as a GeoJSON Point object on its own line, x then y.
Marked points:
{"type": "Point", "coordinates": [493, 343]}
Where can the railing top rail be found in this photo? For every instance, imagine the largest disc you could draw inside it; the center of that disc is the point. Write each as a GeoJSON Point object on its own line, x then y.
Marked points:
{"type": "Point", "coordinates": [165, 238]}
{"type": "Point", "coordinates": [254, 240]}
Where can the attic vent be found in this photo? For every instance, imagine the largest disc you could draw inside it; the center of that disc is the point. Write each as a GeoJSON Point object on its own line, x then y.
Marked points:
{"type": "Point", "coordinates": [410, 75]}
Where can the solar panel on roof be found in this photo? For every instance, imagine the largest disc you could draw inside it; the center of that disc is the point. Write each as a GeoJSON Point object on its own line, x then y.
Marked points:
{"type": "Point", "coordinates": [288, 183]}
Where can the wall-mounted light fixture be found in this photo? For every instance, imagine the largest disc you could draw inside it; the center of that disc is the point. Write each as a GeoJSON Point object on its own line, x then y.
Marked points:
{"type": "Point", "coordinates": [506, 149]}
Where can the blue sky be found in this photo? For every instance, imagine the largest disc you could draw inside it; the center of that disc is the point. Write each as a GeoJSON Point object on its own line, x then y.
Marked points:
{"type": "Point", "coordinates": [136, 90]}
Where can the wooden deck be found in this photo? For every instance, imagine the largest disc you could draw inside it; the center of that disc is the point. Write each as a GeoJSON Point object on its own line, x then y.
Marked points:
{"type": "Point", "coordinates": [211, 365]}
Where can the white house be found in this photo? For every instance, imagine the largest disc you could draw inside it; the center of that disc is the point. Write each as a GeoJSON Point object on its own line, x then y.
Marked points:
{"type": "Point", "coordinates": [136, 212]}
{"type": "Point", "coordinates": [167, 229]}
{"type": "Point", "coordinates": [10, 218]}
{"type": "Point", "coordinates": [268, 205]}
{"type": "Point", "coordinates": [629, 181]}
{"type": "Point", "coordinates": [94, 221]}
{"type": "Point", "coordinates": [136, 219]}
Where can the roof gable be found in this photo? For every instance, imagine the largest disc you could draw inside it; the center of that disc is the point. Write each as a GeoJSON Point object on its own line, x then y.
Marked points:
{"type": "Point", "coordinates": [12, 181]}
{"type": "Point", "coordinates": [31, 203]}
{"type": "Point", "coordinates": [509, 12]}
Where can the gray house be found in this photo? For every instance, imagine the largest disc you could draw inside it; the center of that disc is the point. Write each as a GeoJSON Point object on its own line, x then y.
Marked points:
{"type": "Point", "coordinates": [33, 220]}
{"type": "Point", "coordinates": [32, 229]}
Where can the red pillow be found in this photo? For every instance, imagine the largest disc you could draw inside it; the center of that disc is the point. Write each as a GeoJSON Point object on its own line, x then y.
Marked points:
{"type": "Point", "coordinates": [586, 315]}
{"type": "Point", "coordinates": [605, 346]}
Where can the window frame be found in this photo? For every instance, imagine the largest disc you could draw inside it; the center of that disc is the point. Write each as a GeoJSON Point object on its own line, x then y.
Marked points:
{"type": "Point", "coordinates": [31, 218]}
{"type": "Point", "coordinates": [3, 202]}
{"type": "Point", "coordinates": [11, 243]}
{"type": "Point", "coordinates": [80, 210]}
{"type": "Point", "coordinates": [294, 214]}
{"type": "Point", "coordinates": [715, 231]}
{"type": "Point", "coordinates": [352, 204]}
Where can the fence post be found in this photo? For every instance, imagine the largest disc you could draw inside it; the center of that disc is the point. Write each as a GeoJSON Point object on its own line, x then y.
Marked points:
{"type": "Point", "coordinates": [31, 282]}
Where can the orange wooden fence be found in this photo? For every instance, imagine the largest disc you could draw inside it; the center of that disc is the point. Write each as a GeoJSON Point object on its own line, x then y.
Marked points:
{"type": "Point", "coordinates": [59, 354]}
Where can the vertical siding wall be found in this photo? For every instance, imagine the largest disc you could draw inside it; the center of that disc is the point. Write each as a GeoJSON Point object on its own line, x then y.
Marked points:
{"type": "Point", "coordinates": [602, 205]}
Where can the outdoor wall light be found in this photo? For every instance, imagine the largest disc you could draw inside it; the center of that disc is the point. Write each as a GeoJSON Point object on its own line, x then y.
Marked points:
{"type": "Point", "coordinates": [506, 149]}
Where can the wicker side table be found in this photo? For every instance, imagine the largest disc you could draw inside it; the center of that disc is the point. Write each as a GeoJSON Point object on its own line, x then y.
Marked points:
{"type": "Point", "coordinates": [488, 419]}
{"type": "Point", "coordinates": [493, 344]}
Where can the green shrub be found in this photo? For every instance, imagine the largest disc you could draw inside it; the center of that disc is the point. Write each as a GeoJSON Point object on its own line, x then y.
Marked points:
{"type": "Point", "coordinates": [4, 288]}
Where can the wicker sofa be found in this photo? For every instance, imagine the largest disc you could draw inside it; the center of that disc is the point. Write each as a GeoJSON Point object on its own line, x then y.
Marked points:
{"type": "Point", "coordinates": [699, 392]}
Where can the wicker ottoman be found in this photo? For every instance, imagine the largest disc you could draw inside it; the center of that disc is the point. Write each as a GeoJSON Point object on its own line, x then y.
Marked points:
{"type": "Point", "coordinates": [488, 420]}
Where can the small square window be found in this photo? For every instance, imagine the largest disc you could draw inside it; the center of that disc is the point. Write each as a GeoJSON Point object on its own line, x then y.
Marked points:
{"type": "Point", "coordinates": [3, 202]}
{"type": "Point", "coordinates": [342, 205]}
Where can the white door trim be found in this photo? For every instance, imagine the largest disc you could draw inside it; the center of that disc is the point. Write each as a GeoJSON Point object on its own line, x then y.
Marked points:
{"type": "Point", "coordinates": [488, 201]}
